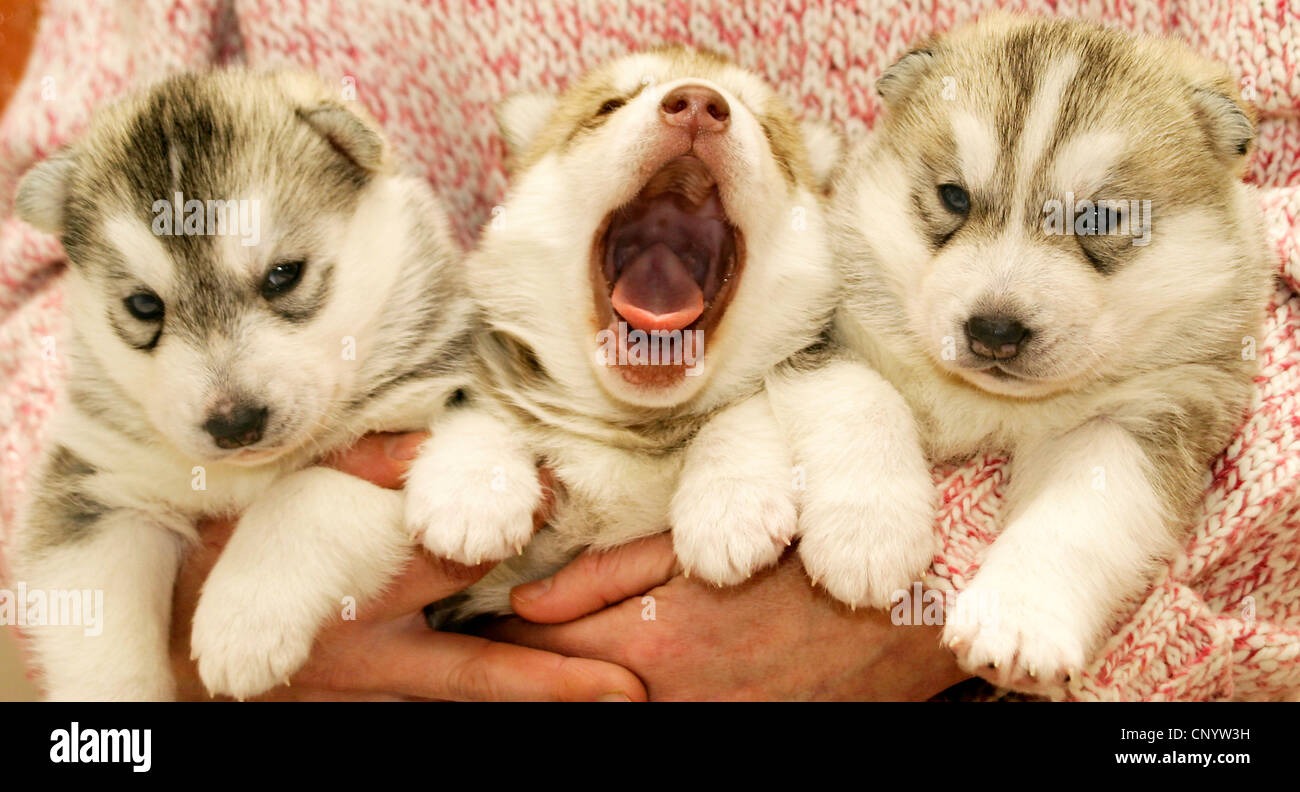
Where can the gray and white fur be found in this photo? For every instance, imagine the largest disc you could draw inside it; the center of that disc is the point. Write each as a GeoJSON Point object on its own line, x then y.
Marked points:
{"type": "Point", "coordinates": [208, 376]}
{"type": "Point", "coordinates": [1112, 367]}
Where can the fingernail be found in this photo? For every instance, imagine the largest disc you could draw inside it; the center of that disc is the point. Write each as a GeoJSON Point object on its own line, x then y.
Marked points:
{"type": "Point", "coordinates": [614, 697]}
{"type": "Point", "coordinates": [531, 591]}
{"type": "Point", "coordinates": [403, 448]}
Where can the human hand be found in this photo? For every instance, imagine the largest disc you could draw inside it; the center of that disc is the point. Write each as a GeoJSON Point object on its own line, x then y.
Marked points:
{"type": "Point", "coordinates": [773, 637]}
{"type": "Point", "coordinates": [388, 651]}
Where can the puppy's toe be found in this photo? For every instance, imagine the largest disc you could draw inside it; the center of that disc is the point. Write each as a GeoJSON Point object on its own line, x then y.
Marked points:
{"type": "Point", "coordinates": [725, 531]}
{"type": "Point", "coordinates": [1014, 640]}
{"type": "Point", "coordinates": [863, 555]}
{"type": "Point", "coordinates": [472, 515]}
{"type": "Point", "coordinates": [244, 648]}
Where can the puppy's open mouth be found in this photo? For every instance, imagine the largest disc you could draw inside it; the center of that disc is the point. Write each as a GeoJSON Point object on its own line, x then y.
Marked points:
{"type": "Point", "coordinates": [667, 262]}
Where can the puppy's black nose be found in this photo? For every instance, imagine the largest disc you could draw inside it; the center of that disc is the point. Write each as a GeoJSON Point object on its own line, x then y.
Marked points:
{"type": "Point", "coordinates": [237, 426]}
{"type": "Point", "coordinates": [697, 108]}
{"type": "Point", "coordinates": [995, 337]}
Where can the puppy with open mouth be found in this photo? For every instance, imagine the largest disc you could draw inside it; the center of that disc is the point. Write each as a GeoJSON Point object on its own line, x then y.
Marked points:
{"type": "Point", "coordinates": [251, 286]}
{"type": "Point", "coordinates": [655, 292]}
{"type": "Point", "coordinates": [1048, 249]}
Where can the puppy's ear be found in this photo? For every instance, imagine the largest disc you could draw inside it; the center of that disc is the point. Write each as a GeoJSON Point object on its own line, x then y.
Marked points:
{"type": "Point", "coordinates": [901, 78]}
{"type": "Point", "coordinates": [1228, 122]}
{"type": "Point", "coordinates": [348, 132]}
{"type": "Point", "coordinates": [43, 192]}
{"type": "Point", "coordinates": [521, 116]}
{"type": "Point", "coordinates": [825, 147]}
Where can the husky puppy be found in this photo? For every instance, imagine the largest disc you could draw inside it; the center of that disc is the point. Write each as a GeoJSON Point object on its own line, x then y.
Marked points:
{"type": "Point", "coordinates": [251, 286]}
{"type": "Point", "coordinates": [1048, 249]}
{"type": "Point", "coordinates": [669, 201]}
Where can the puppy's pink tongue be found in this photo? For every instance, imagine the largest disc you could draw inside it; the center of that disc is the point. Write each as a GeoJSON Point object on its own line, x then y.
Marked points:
{"type": "Point", "coordinates": [657, 292]}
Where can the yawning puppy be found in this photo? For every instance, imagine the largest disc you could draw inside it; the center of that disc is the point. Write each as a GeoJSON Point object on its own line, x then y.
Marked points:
{"type": "Point", "coordinates": [251, 286]}
{"type": "Point", "coordinates": [655, 289]}
{"type": "Point", "coordinates": [1048, 250]}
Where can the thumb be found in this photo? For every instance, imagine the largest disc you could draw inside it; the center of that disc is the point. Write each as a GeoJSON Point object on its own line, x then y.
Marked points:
{"type": "Point", "coordinates": [381, 459]}
{"type": "Point", "coordinates": [597, 579]}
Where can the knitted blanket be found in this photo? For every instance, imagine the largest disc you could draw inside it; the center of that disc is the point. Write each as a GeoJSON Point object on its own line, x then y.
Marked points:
{"type": "Point", "coordinates": [1223, 620]}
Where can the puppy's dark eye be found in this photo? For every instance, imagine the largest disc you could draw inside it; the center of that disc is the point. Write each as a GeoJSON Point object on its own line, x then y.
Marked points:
{"type": "Point", "coordinates": [954, 198]}
{"type": "Point", "coordinates": [610, 106]}
{"type": "Point", "coordinates": [145, 306]}
{"type": "Point", "coordinates": [282, 278]}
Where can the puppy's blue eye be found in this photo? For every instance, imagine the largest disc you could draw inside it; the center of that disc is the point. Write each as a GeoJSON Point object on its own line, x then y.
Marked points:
{"type": "Point", "coordinates": [282, 277]}
{"type": "Point", "coordinates": [954, 198]}
{"type": "Point", "coordinates": [145, 306]}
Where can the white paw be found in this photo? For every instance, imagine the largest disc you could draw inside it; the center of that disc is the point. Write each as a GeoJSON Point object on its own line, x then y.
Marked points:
{"type": "Point", "coordinates": [1016, 634]}
{"type": "Point", "coordinates": [861, 552]}
{"type": "Point", "coordinates": [246, 640]}
{"type": "Point", "coordinates": [725, 529]}
{"type": "Point", "coordinates": [472, 511]}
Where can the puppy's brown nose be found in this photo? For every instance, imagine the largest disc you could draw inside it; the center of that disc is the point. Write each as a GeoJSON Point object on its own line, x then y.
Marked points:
{"type": "Point", "coordinates": [696, 107]}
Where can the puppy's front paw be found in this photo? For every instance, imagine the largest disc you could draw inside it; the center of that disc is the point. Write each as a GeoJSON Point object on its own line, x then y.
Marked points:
{"type": "Point", "coordinates": [1016, 634]}
{"type": "Point", "coordinates": [472, 510]}
{"type": "Point", "coordinates": [246, 640]}
{"type": "Point", "coordinates": [725, 529]}
{"type": "Point", "coordinates": [862, 551]}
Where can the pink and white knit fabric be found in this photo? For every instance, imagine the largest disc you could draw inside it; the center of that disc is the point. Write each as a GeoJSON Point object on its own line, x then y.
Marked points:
{"type": "Point", "coordinates": [1224, 619]}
